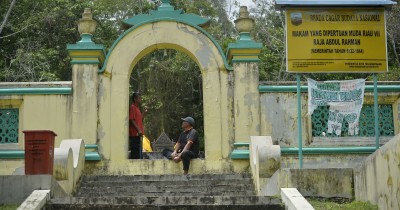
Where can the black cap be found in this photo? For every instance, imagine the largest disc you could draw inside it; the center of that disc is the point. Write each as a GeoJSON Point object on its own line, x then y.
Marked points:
{"type": "Point", "coordinates": [190, 120]}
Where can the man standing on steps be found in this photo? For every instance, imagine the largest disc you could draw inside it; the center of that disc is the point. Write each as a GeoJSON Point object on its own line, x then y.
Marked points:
{"type": "Point", "coordinates": [187, 146]}
{"type": "Point", "coordinates": [136, 130]}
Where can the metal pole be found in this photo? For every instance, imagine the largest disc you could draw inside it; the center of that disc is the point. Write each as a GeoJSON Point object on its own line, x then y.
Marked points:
{"type": "Point", "coordinates": [376, 116]}
{"type": "Point", "coordinates": [300, 140]}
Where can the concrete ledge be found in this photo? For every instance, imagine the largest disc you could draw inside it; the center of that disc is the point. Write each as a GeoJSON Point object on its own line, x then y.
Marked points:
{"type": "Point", "coordinates": [16, 188]}
{"type": "Point", "coordinates": [326, 183]}
{"type": "Point", "coordinates": [293, 200]}
{"type": "Point", "coordinates": [377, 179]}
{"type": "Point", "coordinates": [36, 200]}
{"type": "Point", "coordinates": [163, 166]}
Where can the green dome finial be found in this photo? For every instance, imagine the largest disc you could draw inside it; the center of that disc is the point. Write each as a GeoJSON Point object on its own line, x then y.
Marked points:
{"type": "Point", "coordinates": [165, 6]}
{"type": "Point", "coordinates": [166, 12]}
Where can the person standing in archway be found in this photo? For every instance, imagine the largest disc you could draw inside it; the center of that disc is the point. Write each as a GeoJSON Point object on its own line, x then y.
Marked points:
{"type": "Point", "coordinates": [136, 129]}
{"type": "Point", "coordinates": [187, 146]}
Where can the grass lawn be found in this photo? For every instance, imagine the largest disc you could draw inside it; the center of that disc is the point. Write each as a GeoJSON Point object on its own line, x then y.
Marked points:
{"type": "Point", "coordinates": [320, 204]}
{"type": "Point", "coordinates": [8, 207]}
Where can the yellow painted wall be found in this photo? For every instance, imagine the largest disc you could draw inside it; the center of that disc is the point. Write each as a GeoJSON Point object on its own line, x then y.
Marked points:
{"type": "Point", "coordinates": [246, 101]}
{"type": "Point", "coordinates": [37, 112]}
{"type": "Point", "coordinates": [40, 112]}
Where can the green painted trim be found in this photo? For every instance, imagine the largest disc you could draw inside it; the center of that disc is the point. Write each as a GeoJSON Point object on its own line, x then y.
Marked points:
{"type": "Point", "coordinates": [166, 10]}
{"type": "Point", "coordinates": [240, 154]}
{"type": "Point", "coordinates": [91, 146]}
{"type": "Point", "coordinates": [244, 153]}
{"type": "Point", "coordinates": [245, 42]}
{"type": "Point", "coordinates": [20, 154]}
{"type": "Point", "coordinates": [92, 156]}
{"type": "Point", "coordinates": [328, 150]}
{"type": "Point", "coordinates": [12, 154]}
{"type": "Point", "coordinates": [288, 89]}
{"type": "Point", "coordinates": [245, 60]}
{"type": "Point", "coordinates": [84, 62]}
{"type": "Point", "coordinates": [35, 91]}
{"type": "Point", "coordinates": [86, 47]}
{"type": "Point", "coordinates": [241, 144]}
{"type": "Point", "coordinates": [229, 68]}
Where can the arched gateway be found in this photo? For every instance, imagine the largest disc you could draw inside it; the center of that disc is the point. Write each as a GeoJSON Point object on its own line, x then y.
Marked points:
{"type": "Point", "coordinates": [229, 93]}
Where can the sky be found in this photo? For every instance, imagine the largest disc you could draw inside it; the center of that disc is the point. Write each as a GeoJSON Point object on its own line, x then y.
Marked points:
{"type": "Point", "coordinates": [247, 3]}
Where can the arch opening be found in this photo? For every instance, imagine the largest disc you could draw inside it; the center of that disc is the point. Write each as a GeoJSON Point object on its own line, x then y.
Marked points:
{"type": "Point", "coordinates": [170, 83]}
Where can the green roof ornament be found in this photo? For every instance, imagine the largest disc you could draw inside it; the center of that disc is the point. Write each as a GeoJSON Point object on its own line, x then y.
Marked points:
{"type": "Point", "coordinates": [165, 6]}
{"type": "Point", "coordinates": [166, 12]}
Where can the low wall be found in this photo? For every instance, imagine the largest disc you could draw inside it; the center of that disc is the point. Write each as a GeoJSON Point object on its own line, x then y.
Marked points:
{"type": "Point", "coordinates": [12, 166]}
{"type": "Point", "coordinates": [327, 183]}
{"type": "Point", "coordinates": [15, 189]}
{"type": "Point", "coordinates": [279, 113]}
{"type": "Point", "coordinates": [324, 161]}
{"type": "Point", "coordinates": [377, 179]}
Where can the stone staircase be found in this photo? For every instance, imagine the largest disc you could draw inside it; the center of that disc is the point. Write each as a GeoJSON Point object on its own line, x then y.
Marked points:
{"type": "Point", "coordinates": [167, 192]}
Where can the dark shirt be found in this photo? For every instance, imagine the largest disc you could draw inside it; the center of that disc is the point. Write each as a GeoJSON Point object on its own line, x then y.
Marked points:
{"type": "Point", "coordinates": [190, 135]}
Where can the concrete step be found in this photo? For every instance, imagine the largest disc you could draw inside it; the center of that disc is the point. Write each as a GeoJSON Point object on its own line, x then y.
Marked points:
{"type": "Point", "coordinates": [228, 184]}
{"type": "Point", "coordinates": [168, 192]}
{"type": "Point", "coordinates": [168, 202]}
{"type": "Point", "coordinates": [123, 178]}
{"type": "Point", "coordinates": [154, 190]}
{"type": "Point", "coordinates": [183, 183]}
{"type": "Point", "coordinates": [151, 194]}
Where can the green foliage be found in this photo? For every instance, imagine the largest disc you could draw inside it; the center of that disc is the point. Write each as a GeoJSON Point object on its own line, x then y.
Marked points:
{"type": "Point", "coordinates": [8, 207]}
{"type": "Point", "coordinates": [171, 87]}
{"type": "Point", "coordinates": [329, 205]}
{"type": "Point", "coordinates": [35, 37]}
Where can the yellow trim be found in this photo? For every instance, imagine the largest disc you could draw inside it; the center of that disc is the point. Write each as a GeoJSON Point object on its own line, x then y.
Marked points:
{"type": "Point", "coordinates": [244, 51]}
{"type": "Point", "coordinates": [244, 56]}
{"type": "Point", "coordinates": [386, 99]}
{"type": "Point", "coordinates": [10, 103]}
{"type": "Point", "coordinates": [85, 54]}
{"type": "Point", "coordinates": [86, 58]}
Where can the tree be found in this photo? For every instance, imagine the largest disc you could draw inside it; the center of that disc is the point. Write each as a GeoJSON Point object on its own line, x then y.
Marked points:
{"type": "Point", "coordinates": [171, 87]}
{"type": "Point", "coordinates": [269, 29]}
{"type": "Point", "coordinates": [7, 15]}
{"type": "Point", "coordinates": [34, 39]}
{"type": "Point", "coordinates": [393, 43]}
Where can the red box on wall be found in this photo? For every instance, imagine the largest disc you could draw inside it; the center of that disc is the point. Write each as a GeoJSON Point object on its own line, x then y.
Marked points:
{"type": "Point", "coordinates": [39, 151]}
